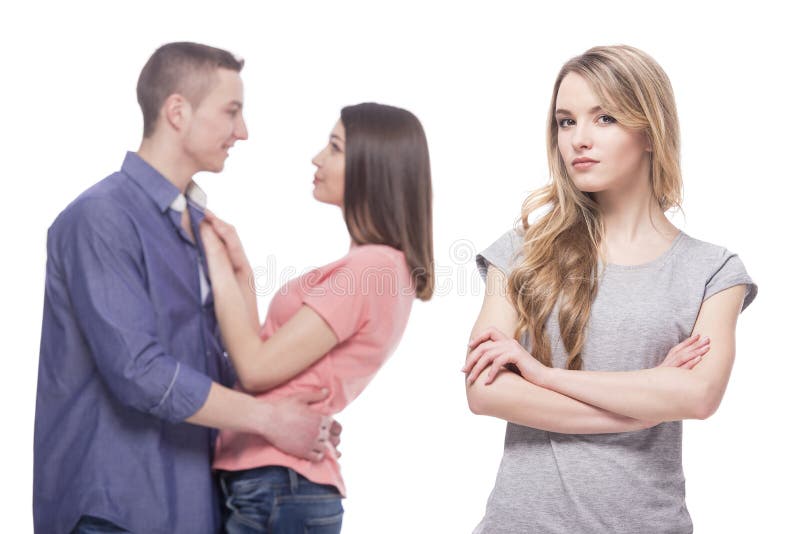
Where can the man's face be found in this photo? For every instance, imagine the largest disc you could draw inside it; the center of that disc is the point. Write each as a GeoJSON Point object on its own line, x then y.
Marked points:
{"type": "Point", "coordinates": [216, 123]}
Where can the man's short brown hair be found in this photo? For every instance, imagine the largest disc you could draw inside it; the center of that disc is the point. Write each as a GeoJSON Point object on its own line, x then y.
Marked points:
{"type": "Point", "coordinates": [187, 69]}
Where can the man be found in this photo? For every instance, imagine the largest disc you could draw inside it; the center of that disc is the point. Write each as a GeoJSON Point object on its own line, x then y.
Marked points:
{"type": "Point", "coordinates": [132, 373]}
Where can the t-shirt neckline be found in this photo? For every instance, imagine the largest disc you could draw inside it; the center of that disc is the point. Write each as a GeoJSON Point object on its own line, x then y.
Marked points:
{"type": "Point", "coordinates": [657, 262]}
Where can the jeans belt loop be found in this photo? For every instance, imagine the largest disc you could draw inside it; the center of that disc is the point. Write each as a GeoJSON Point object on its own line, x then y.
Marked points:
{"type": "Point", "coordinates": [293, 480]}
{"type": "Point", "coordinates": [223, 482]}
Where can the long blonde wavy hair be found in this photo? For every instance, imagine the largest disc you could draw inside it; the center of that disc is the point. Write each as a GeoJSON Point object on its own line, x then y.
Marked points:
{"type": "Point", "coordinates": [560, 254]}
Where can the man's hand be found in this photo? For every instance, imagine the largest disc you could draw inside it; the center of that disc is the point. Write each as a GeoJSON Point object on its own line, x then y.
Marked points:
{"type": "Point", "coordinates": [295, 428]}
{"type": "Point", "coordinates": [290, 423]}
{"type": "Point", "coordinates": [335, 436]}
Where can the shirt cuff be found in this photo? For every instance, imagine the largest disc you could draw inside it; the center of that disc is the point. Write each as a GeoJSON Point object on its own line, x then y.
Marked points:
{"type": "Point", "coordinates": [185, 395]}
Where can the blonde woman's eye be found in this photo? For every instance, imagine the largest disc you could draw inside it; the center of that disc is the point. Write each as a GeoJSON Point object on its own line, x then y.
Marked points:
{"type": "Point", "coordinates": [563, 123]}
{"type": "Point", "coordinates": [606, 119]}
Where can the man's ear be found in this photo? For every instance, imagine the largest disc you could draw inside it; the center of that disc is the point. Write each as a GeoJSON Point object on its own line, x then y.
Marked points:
{"type": "Point", "coordinates": [176, 111]}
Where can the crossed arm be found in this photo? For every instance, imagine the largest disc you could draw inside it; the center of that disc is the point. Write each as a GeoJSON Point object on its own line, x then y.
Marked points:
{"type": "Point", "coordinates": [594, 402]}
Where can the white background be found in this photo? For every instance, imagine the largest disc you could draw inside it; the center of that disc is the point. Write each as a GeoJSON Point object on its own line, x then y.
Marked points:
{"type": "Point", "coordinates": [479, 77]}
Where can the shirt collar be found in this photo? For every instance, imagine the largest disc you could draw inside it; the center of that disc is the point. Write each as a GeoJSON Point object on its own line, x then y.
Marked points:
{"type": "Point", "coordinates": [162, 191]}
{"type": "Point", "coordinates": [194, 194]}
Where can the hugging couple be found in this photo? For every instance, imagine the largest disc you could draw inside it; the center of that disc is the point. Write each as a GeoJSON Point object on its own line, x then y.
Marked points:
{"type": "Point", "coordinates": [163, 404]}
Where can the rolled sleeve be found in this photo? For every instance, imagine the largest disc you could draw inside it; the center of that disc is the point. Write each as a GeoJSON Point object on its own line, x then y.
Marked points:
{"type": "Point", "coordinates": [185, 395]}
{"type": "Point", "coordinates": [106, 280]}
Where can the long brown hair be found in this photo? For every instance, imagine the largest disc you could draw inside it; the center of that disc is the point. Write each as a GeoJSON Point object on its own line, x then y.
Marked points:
{"type": "Point", "coordinates": [387, 191]}
{"type": "Point", "coordinates": [560, 254]}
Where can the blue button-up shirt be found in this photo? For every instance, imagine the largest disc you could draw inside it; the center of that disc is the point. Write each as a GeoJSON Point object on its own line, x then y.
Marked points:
{"type": "Point", "coordinates": [128, 352]}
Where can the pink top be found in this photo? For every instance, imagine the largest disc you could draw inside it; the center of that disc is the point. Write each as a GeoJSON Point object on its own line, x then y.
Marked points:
{"type": "Point", "coordinates": [365, 297]}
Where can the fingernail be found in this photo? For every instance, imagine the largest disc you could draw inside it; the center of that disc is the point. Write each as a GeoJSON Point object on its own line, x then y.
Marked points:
{"type": "Point", "coordinates": [325, 391]}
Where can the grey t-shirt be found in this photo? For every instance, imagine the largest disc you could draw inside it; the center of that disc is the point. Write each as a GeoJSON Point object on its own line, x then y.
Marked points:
{"type": "Point", "coordinates": [629, 482]}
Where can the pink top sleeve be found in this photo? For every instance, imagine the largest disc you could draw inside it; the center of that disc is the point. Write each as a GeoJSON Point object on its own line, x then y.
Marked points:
{"type": "Point", "coordinates": [366, 286]}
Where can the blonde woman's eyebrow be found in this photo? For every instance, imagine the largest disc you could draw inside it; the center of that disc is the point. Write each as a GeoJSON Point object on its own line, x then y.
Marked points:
{"type": "Point", "coordinates": [568, 112]}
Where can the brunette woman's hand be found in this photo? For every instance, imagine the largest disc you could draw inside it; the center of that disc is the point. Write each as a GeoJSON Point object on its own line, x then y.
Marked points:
{"type": "Point", "coordinates": [214, 246]}
{"type": "Point", "coordinates": [687, 353]}
{"type": "Point", "coordinates": [230, 239]}
{"type": "Point", "coordinates": [494, 348]}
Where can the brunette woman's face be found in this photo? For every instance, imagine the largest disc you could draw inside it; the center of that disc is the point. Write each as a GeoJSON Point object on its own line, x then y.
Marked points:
{"type": "Point", "coordinates": [329, 178]}
{"type": "Point", "coordinates": [599, 153]}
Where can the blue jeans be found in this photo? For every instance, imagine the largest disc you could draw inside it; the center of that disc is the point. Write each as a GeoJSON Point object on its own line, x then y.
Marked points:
{"type": "Point", "coordinates": [278, 500]}
{"type": "Point", "coordinates": [94, 525]}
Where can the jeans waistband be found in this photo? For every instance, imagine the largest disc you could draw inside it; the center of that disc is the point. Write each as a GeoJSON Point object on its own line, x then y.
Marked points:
{"type": "Point", "coordinates": [276, 475]}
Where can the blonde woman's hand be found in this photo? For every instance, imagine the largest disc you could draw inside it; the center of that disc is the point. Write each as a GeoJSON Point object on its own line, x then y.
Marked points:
{"type": "Point", "coordinates": [687, 353]}
{"type": "Point", "coordinates": [494, 348]}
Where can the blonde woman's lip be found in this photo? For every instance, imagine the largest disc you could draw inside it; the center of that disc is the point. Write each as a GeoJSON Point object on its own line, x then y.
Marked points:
{"type": "Point", "coordinates": [583, 163]}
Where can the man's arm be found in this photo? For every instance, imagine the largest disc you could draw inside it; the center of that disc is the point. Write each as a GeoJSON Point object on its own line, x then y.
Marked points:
{"type": "Point", "coordinates": [516, 400]}
{"type": "Point", "coordinates": [101, 259]}
{"type": "Point", "coordinates": [288, 423]}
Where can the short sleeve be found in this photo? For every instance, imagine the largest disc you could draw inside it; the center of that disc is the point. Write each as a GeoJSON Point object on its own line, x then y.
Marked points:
{"type": "Point", "coordinates": [503, 253]}
{"type": "Point", "coordinates": [731, 272]}
{"type": "Point", "coordinates": [367, 283]}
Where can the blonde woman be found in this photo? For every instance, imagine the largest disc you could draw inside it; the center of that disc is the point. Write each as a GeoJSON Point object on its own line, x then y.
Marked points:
{"type": "Point", "coordinates": [603, 325]}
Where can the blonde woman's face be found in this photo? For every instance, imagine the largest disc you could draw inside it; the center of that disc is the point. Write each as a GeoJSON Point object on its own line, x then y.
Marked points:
{"type": "Point", "coordinates": [329, 178]}
{"type": "Point", "coordinates": [598, 152]}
